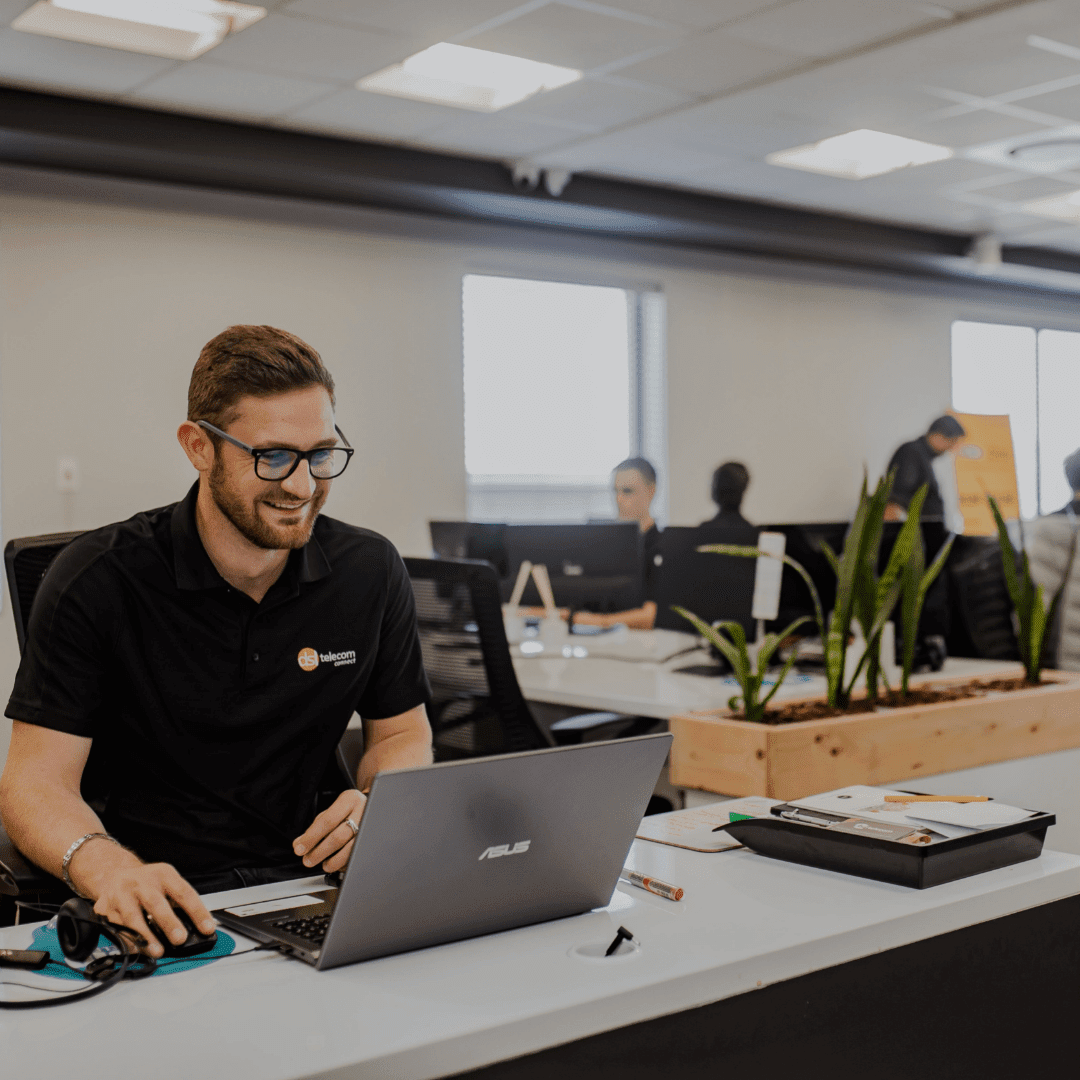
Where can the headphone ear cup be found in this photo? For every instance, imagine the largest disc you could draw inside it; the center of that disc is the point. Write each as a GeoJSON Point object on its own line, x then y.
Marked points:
{"type": "Point", "coordinates": [77, 928]}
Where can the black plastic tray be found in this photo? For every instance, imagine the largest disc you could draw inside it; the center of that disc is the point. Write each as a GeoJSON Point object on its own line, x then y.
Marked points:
{"type": "Point", "coordinates": [888, 860]}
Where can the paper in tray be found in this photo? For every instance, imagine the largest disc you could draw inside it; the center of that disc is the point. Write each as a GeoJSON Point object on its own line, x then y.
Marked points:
{"type": "Point", "coordinates": [693, 829]}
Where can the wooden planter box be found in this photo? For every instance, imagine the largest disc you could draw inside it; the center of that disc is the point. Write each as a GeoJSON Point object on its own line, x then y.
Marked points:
{"type": "Point", "coordinates": [716, 752]}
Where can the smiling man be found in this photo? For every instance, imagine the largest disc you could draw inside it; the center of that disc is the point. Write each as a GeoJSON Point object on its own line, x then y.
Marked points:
{"type": "Point", "coordinates": [189, 672]}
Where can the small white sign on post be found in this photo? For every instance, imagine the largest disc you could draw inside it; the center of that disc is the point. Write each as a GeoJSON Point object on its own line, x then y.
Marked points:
{"type": "Point", "coordinates": [768, 575]}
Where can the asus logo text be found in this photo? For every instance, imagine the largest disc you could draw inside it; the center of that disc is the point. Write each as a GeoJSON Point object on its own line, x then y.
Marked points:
{"type": "Point", "coordinates": [499, 850]}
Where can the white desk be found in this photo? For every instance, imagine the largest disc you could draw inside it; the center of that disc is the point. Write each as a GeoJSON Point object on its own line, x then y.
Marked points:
{"type": "Point", "coordinates": [648, 688]}
{"type": "Point", "coordinates": [746, 922]}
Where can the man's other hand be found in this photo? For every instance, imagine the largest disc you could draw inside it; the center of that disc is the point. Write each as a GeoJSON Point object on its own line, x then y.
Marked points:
{"type": "Point", "coordinates": [329, 838]}
{"type": "Point", "coordinates": [135, 891]}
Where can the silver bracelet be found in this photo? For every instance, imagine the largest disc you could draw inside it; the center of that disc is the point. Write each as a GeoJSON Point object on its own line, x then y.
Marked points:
{"type": "Point", "coordinates": [70, 854]}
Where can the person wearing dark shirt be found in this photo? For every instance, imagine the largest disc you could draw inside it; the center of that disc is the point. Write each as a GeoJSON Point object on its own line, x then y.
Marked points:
{"type": "Point", "coordinates": [913, 463]}
{"type": "Point", "coordinates": [188, 673]}
{"type": "Point", "coordinates": [1072, 474]}
{"type": "Point", "coordinates": [728, 526]}
{"type": "Point", "coordinates": [635, 488]}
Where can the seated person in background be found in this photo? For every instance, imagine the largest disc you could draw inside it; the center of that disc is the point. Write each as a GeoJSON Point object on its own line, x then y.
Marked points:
{"type": "Point", "coordinates": [913, 462]}
{"type": "Point", "coordinates": [189, 672]}
{"type": "Point", "coordinates": [728, 526]}
{"type": "Point", "coordinates": [635, 486]}
{"type": "Point", "coordinates": [1072, 474]}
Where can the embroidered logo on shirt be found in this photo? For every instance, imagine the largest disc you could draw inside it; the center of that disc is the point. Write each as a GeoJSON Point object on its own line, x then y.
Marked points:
{"type": "Point", "coordinates": [309, 659]}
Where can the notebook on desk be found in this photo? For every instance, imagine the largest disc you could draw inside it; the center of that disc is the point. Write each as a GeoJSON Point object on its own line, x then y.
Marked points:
{"type": "Point", "coordinates": [466, 848]}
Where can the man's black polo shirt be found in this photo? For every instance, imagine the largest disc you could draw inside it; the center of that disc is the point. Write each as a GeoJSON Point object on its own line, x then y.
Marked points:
{"type": "Point", "coordinates": [215, 719]}
{"type": "Point", "coordinates": [913, 463]}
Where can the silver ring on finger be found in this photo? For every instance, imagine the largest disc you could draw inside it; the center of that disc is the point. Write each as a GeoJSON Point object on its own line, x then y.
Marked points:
{"type": "Point", "coordinates": [352, 825]}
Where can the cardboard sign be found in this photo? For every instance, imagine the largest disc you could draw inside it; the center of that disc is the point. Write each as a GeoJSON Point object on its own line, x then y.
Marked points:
{"type": "Point", "coordinates": [985, 466]}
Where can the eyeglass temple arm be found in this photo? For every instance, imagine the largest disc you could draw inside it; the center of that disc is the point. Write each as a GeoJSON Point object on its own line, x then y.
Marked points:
{"type": "Point", "coordinates": [343, 439]}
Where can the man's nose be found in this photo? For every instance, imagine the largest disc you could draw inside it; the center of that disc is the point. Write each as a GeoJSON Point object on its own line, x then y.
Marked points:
{"type": "Point", "coordinates": [301, 485]}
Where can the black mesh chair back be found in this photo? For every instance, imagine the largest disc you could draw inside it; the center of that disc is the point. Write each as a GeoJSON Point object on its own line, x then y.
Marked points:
{"type": "Point", "coordinates": [476, 707]}
{"type": "Point", "coordinates": [26, 561]}
{"type": "Point", "coordinates": [982, 601]}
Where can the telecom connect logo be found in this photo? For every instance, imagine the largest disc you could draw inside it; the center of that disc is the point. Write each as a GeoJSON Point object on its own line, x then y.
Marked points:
{"type": "Point", "coordinates": [309, 659]}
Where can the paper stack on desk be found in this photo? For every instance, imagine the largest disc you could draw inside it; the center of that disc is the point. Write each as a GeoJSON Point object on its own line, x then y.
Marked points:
{"type": "Point", "coordinates": [695, 829]}
{"type": "Point", "coordinates": [949, 819]}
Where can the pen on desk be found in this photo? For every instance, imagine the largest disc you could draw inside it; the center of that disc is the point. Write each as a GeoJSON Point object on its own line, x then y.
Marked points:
{"type": "Point", "coordinates": [650, 884]}
{"type": "Point", "coordinates": [937, 798]}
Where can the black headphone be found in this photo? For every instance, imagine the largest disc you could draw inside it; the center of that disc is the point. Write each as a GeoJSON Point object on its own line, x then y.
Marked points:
{"type": "Point", "coordinates": [78, 928]}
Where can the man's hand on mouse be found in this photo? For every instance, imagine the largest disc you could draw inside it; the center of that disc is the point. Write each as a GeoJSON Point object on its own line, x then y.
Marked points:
{"type": "Point", "coordinates": [329, 838]}
{"type": "Point", "coordinates": [131, 894]}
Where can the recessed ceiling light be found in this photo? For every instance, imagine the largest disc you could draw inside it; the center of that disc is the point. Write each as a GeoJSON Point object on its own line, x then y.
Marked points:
{"type": "Point", "coordinates": [859, 154]}
{"type": "Point", "coordinates": [467, 78]}
{"type": "Point", "coordinates": [1061, 207]}
{"type": "Point", "coordinates": [178, 29]}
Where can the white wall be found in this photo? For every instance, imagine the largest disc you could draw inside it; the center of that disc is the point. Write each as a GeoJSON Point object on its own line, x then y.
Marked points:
{"type": "Point", "coordinates": [108, 290]}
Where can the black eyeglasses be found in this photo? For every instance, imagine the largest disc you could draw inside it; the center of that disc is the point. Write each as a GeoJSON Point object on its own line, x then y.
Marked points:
{"type": "Point", "coordinates": [279, 463]}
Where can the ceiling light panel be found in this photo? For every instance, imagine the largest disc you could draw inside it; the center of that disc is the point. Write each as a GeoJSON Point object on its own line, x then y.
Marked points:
{"type": "Point", "coordinates": [467, 78]}
{"type": "Point", "coordinates": [859, 155]}
{"type": "Point", "coordinates": [177, 29]}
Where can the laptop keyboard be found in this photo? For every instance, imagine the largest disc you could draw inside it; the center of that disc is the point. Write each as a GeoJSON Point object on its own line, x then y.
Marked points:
{"type": "Point", "coordinates": [313, 928]}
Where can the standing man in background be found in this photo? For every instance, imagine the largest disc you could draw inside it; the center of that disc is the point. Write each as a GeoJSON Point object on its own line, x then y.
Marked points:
{"type": "Point", "coordinates": [913, 462]}
{"type": "Point", "coordinates": [1072, 474]}
{"type": "Point", "coordinates": [635, 488]}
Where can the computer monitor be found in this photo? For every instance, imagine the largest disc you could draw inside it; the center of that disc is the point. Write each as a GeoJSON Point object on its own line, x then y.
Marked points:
{"type": "Point", "coordinates": [713, 587]}
{"type": "Point", "coordinates": [803, 543]}
{"type": "Point", "coordinates": [592, 567]}
{"type": "Point", "coordinates": [470, 540]}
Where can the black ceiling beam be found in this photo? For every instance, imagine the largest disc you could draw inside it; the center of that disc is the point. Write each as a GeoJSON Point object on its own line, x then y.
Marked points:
{"type": "Point", "coordinates": [49, 131]}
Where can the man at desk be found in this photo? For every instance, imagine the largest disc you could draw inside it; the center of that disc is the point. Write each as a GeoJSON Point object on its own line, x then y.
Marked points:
{"type": "Point", "coordinates": [635, 488]}
{"type": "Point", "coordinates": [189, 672]}
{"type": "Point", "coordinates": [913, 462]}
{"type": "Point", "coordinates": [728, 526]}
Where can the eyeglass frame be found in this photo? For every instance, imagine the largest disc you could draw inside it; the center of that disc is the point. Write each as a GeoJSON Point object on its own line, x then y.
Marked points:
{"type": "Point", "coordinates": [301, 455]}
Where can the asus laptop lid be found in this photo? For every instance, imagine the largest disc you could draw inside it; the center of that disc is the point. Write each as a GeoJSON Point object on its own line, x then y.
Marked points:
{"type": "Point", "coordinates": [465, 848]}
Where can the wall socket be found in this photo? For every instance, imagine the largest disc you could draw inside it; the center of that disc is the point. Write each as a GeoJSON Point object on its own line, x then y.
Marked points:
{"type": "Point", "coordinates": [68, 478]}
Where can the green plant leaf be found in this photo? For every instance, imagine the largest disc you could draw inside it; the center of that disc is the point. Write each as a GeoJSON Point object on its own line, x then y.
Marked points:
{"type": "Point", "coordinates": [830, 557]}
{"type": "Point", "coordinates": [784, 671]}
{"type": "Point", "coordinates": [905, 544]}
{"type": "Point", "coordinates": [772, 641]}
{"type": "Point", "coordinates": [1038, 632]}
{"type": "Point", "coordinates": [1019, 586]}
{"type": "Point", "coordinates": [740, 664]}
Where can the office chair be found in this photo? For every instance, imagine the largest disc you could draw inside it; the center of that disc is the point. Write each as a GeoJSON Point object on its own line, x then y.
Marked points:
{"type": "Point", "coordinates": [982, 601]}
{"type": "Point", "coordinates": [476, 706]}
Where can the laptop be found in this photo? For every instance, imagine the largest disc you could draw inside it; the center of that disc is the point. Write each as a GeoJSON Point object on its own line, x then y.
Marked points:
{"type": "Point", "coordinates": [466, 848]}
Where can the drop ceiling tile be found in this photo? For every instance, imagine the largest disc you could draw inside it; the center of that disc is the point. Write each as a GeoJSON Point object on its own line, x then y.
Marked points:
{"type": "Point", "coordinates": [695, 14]}
{"type": "Point", "coordinates": [1063, 103]}
{"type": "Point", "coordinates": [497, 135]}
{"type": "Point", "coordinates": [570, 37]}
{"type": "Point", "coordinates": [289, 46]}
{"type": "Point", "coordinates": [969, 129]}
{"type": "Point", "coordinates": [52, 64]}
{"type": "Point", "coordinates": [1035, 187]}
{"type": "Point", "coordinates": [709, 63]}
{"type": "Point", "coordinates": [431, 20]}
{"type": "Point", "coordinates": [597, 104]}
{"type": "Point", "coordinates": [211, 87]}
{"type": "Point", "coordinates": [823, 27]}
{"type": "Point", "coordinates": [358, 113]}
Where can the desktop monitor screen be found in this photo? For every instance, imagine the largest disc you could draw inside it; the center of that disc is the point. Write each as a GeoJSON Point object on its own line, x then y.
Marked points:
{"type": "Point", "coordinates": [713, 587]}
{"type": "Point", "coordinates": [593, 567]}
{"type": "Point", "coordinates": [470, 540]}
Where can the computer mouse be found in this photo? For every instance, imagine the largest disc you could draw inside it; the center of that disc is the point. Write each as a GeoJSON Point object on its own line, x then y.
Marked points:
{"type": "Point", "coordinates": [195, 943]}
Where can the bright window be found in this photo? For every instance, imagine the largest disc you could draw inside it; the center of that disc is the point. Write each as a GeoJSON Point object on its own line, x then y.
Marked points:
{"type": "Point", "coordinates": [556, 394]}
{"type": "Point", "coordinates": [1034, 377]}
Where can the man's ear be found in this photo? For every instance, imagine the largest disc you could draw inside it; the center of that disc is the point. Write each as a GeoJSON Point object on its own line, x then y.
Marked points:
{"type": "Point", "coordinates": [197, 445]}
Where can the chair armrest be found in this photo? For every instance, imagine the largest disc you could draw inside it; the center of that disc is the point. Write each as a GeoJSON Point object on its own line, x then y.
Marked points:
{"type": "Point", "coordinates": [575, 729]}
{"type": "Point", "coordinates": [18, 875]}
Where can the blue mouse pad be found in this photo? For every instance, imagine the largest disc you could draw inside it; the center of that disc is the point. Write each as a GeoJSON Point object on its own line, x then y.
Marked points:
{"type": "Point", "coordinates": [45, 939]}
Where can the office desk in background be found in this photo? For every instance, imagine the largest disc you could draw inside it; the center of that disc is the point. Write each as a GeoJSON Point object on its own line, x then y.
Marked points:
{"type": "Point", "coordinates": [763, 965]}
{"type": "Point", "coordinates": [655, 688]}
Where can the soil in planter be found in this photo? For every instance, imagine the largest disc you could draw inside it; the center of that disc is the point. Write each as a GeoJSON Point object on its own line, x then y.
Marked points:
{"type": "Point", "coordinates": [923, 695]}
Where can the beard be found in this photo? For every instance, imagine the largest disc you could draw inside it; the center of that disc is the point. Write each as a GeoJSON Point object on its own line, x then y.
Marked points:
{"type": "Point", "coordinates": [244, 514]}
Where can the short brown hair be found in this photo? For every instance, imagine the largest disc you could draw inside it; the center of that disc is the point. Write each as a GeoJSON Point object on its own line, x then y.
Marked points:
{"type": "Point", "coordinates": [251, 360]}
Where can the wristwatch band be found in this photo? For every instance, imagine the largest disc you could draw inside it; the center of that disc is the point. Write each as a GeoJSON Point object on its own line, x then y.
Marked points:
{"type": "Point", "coordinates": [70, 854]}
